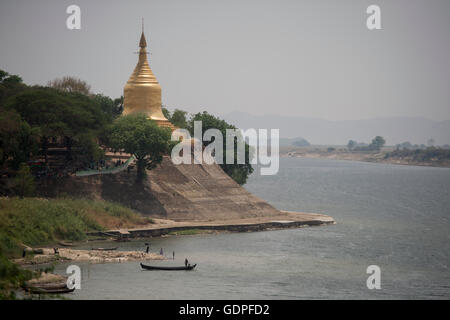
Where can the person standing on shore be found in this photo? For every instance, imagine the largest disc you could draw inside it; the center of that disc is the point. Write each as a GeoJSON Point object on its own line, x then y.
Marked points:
{"type": "Point", "coordinates": [161, 252]}
{"type": "Point", "coordinates": [173, 255]}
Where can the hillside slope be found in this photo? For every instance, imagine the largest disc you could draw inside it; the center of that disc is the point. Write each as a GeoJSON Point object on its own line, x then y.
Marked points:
{"type": "Point", "coordinates": [176, 192]}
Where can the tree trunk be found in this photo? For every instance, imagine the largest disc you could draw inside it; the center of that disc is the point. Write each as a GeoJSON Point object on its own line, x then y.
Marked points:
{"type": "Point", "coordinates": [141, 174]}
{"type": "Point", "coordinates": [69, 143]}
{"type": "Point", "coordinates": [45, 148]}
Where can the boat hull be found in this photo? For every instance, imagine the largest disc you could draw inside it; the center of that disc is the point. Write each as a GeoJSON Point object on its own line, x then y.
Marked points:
{"type": "Point", "coordinates": [187, 268]}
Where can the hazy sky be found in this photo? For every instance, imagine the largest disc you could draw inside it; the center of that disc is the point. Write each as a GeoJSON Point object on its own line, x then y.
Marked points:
{"type": "Point", "coordinates": [312, 58]}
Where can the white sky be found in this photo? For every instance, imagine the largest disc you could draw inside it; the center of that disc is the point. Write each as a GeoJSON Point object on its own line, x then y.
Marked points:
{"type": "Point", "coordinates": [312, 58]}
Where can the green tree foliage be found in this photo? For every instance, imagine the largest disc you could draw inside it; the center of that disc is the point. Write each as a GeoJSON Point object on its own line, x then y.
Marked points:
{"type": "Point", "coordinates": [166, 112]}
{"type": "Point", "coordinates": [23, 184]}
{"type": "Point", "coordinates": [239, 172]}
{"type": "Point", "coordinates": [430, 154]}
{"type": "Point", "coordinates": [60, 114]}
{"type": "Point", "coordinates": [11, 277]}
{"type": "Point", "coordinates": [377, 143]}
{"type": "Point", "coordinates": [110, 107]}
{"type": "Point", "coordinates": [179, 119]}
{"type": "Point", "coordinates": [9, 86]}
{"type": "Point", "coordinates": [18, 141]}
{"type": "Point", "coordinates": [351, 144]}
{"type": "Point", "coordinates": [141, 137]}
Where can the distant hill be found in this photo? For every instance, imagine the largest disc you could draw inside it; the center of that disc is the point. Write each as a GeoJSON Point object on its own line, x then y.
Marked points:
{"type": "Point", "coordinates": [318, 131]}
{"type": "Point", "coordinates": [298, 142]}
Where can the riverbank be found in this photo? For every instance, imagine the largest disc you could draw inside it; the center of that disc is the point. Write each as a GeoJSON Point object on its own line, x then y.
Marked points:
{"type": "Point", "coordinates": [93, 256]}
{"type": "Point", "coordinates": [161, 227]}
{"type": "Point", "coordinates": [31, 222]}
{"type": "Point", "coordinates": [385, 156]}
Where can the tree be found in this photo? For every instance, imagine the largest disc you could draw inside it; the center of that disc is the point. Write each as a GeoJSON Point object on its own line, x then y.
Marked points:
{"type": "Point", "coordinates": [377, 143]}
{"type": "Point", "coordinates": [18, 141]}
{"type": "Point", "coordinates": [118, 102]}
{"type": "Point", "coordinates": [351, 144]}
{"type": "Point", "coordinates": [166, 112]}
{"type": "Point", "coordinates": [141, 137]}
{"type": "Point", "coordinates": [110, 107]}
{"type": "Point", "coordinates": [9, 85]}
{"type": "Point", "coordinates": [24, 182]}
{"type": "Point", "coordinates": [179, 119]}
{"type": "Point", "coordinates": [239, 172]}
{"type": "Point", "coordinates": [59, 114]}
{"type": "Point", "coordinates": [70, 84]}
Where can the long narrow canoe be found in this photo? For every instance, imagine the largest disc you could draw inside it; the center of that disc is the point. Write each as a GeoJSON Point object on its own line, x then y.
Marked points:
{"type": "Point", "coordinates": [146, 267]}
{"type": "Point", "coordinates": [65, 244]}
{"type": "Point", "coordinates": [49, 291]}
{"type": "Point", "coordinates": [105, 249]}
{"type": "Point", "coordinates": [48, 286]}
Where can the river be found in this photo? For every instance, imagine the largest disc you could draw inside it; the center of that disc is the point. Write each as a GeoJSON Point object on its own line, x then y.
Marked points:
{"type": "Point", "coordinates": [393, 216]}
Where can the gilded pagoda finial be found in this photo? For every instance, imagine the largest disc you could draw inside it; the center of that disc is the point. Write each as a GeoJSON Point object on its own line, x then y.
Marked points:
{"type": "Point", "coordinates": [142, 93]}
{"type": "Point", "coordinates": [143, 42]}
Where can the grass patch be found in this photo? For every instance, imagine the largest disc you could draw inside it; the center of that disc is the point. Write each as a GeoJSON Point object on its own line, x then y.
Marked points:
{"type": "Point", "coordinates": [11, 277]}
{"type": "Point", "coordinates": [37, 221]}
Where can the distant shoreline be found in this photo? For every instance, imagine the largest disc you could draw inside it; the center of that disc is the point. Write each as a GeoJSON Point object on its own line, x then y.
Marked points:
{"type": "Point", "coordinates": [342, 154]}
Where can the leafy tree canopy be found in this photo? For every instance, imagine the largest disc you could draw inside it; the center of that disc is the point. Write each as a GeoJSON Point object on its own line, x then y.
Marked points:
{"type": "Point", "coordinates": [377, 143]}
{"type": "Point", "coordinates": [239, 172]}
{"type": "Point", "coordinates": [141, 137]}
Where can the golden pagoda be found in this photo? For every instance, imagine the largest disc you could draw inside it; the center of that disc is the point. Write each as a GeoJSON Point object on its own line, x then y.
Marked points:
{"type": "Point", "coordinates": [142, 93]}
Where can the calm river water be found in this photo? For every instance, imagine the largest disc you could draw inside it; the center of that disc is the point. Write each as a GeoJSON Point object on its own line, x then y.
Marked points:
{"type": "Point", "coordinates": [396, 217]}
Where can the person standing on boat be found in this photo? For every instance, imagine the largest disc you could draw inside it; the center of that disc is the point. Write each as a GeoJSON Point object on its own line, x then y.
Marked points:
{"type": "Point", "coordinates": [186, 262]}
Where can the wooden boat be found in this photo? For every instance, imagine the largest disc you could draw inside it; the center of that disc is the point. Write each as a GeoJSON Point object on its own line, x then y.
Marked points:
{"type": "Point", "coordinates": [105, 249]}
{"type": "Point", "coordinates": [146, 267]}
{"type": "Point", "coordinates": [49, 286]}
{"type": "Point", "coordinates": [38, 290]}
{"type": "Point", "coordinates": [65, 244]}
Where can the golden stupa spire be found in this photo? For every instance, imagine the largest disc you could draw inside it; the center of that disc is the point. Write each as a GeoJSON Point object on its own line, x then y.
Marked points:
{"type": "Point", "coordinates": [142, 93]}
{"type": "Point", "coordinates": [143, 42]}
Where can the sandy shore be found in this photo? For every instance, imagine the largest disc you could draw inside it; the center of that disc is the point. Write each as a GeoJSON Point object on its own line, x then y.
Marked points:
{"type": "Point", "coordinates": [286, 219]}
{"type": "Point", "coordinates": [92, 256]}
